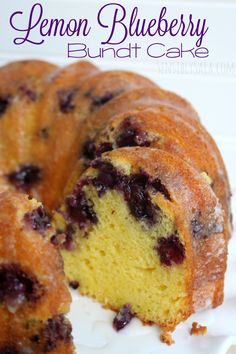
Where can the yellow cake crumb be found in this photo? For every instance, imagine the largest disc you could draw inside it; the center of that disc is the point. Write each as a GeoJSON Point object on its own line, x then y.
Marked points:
{"type": "Point", "coordinates": [166, 337]}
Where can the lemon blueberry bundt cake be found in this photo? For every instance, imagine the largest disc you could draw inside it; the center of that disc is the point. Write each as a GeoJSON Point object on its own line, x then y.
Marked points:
{"type": "Point", "coordinates": [143, 219]}
{"type": "Point", "coordinates": [33, 292]}
{"type": "Point", "coordinates": [150, 212]}
{"type": "Point", "coordinates": [22, 84]}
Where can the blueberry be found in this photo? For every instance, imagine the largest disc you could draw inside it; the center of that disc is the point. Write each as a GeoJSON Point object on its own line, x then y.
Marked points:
{"type": "Point", "coordinates": [123, 317]}
{"type": "Point", "coordinates": [170, 249]}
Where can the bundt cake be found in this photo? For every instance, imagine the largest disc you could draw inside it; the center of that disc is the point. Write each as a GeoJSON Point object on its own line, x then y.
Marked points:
{"type": "Point", "coordinates": [133, 203]}
{"type": "Point", "coordinates": [143, 219]}
{"type": "Point", "coordinates": [33, 292]}
{"type": "Point", "coordinates": [22, 84]}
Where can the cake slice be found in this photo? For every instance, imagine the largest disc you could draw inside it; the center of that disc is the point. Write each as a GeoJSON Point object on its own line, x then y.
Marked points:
{"type": "Point", "coordinates": [144, 231]}
{"type": "Point", "coordinates": [33, 294]}
{"type": "Point", "coordinates": [169, 129]}
{"type": "Point", "coordinates": [57, 102]}
{"type": "Point", "coordinates": [137, 98]}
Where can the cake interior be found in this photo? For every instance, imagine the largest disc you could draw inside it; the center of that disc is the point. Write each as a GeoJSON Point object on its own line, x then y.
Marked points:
{"type": "Point", "coordinates": [117, 258]}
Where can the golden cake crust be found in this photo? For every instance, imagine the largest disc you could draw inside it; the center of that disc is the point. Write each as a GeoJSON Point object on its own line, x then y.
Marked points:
{"type": "Point", "coordinates": [22, 84]}
{"type": "Point", "coordinates": [65, 82]}
{"type": "Point", "coordinates": [20, 338]}
{"type": "Point", "coordinates": [66, 137]}
{"type": "Point", "coordinates": [138, 99]}
{"type": "Point", "coordinates": [169, 129]}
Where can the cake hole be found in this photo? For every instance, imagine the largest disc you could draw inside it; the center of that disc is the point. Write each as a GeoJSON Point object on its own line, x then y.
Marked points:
{"type": "Point", "coordinates": [167, 313]}
{"type": "Point", "coordinates": [175, 300]}
{"type": "Point", "coordinates": [102, 253]}
{"type": "Point", "coordinates": [163, 287]}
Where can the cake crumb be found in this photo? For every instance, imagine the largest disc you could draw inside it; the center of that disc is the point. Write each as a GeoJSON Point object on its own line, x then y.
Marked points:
{"type": "Point", "coordinates": [198, 330]}
{"type": "Point", "coordinates": [166, 337]}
